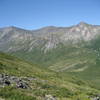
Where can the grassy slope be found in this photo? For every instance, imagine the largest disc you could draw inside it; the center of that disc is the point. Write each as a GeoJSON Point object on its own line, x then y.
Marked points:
{"type": "Point", "coordinates": [47, 82]}
{"type": "Point", "coordinates": [80, 60]}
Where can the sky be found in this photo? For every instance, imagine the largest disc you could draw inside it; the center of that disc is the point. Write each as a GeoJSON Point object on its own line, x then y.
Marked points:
{"type": "Point", "coordinates": [34, 14]}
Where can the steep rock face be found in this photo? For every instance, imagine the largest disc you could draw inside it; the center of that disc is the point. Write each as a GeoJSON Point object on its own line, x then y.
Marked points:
{"type": "Point", "coordinates": [14, 39]}
{"type": "Point", "coordinates": [82, 31]}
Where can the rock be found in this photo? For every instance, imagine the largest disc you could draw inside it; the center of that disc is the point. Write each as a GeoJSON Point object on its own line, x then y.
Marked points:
{"type": "Point", "coordinates": [50, 97]}
{"type": "Point", "coordinates": [2, 99]}
{"type": "Point", "coordinates": [7, 80]}
{"type": "Point", "coordinates": [96, 97]}
{"type": "Point", "coordinates": [22, 85]}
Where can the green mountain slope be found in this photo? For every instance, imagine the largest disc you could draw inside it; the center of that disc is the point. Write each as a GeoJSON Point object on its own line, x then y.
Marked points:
{"type": "Point", "coordinates": [61, 85]}
{"type": "Point", "coordinates": [82, 60]}
{"type": "Point", "coordinates": [65, 61]}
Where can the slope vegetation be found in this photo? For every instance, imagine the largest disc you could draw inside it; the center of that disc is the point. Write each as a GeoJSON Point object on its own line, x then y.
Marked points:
{"type": "Point", "coordinates": [62, 86]}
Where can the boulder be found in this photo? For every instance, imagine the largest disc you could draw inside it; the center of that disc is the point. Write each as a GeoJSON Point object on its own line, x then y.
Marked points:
{"type": "Point", "coordinates": [50, 97]}
{"type": "Point", "coordinates": [22, 85]}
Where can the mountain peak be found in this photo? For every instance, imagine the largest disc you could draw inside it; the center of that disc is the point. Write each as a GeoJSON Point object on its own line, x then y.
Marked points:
{"type": "Point", "coordinates": [12, 27]}
{"type": "Point", "coordinates": [82, 23]}
{"type": "Point", "coordinates": [9, 28]}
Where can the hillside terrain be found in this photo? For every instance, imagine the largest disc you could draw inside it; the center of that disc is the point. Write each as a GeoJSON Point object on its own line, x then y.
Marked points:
{"type": "Point", "coordinates": [41, 82]}
{"type": "Point", "coordinates": [68, 58]}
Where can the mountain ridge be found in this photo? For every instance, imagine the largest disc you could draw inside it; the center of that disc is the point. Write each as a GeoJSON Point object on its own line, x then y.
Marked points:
{"type": "Point", "coordinates": [52, 26]}
{"type": "Point", "coordinates": [48, 37]}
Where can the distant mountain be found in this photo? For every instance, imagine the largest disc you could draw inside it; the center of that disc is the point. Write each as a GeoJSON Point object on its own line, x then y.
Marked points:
{"type": "Point", "coordinates": [14, 39]}
{"type": "Point", "coordinates": [74, 50]}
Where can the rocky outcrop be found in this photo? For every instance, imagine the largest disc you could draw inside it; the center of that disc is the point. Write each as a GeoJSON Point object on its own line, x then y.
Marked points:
{"type": "Point", "coordinates": [96, 97]}
{"type": "Point", "coordinates": [18, 82]}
